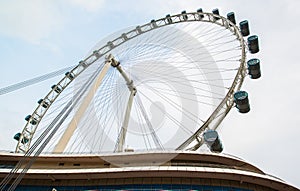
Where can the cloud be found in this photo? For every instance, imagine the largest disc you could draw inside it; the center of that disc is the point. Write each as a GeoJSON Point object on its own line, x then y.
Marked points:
{"type": "Point", "coordinates": [89, 6]}
{"type": "Point", "coordinates": [30, 20]}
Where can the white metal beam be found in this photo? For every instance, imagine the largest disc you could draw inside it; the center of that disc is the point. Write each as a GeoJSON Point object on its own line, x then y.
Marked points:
{"type": "Point", "coordinates": [65, 138]}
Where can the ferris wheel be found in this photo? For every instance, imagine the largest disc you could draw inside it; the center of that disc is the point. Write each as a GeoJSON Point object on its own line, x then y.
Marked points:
{"type": "Point", "coordinates": [167, 84]}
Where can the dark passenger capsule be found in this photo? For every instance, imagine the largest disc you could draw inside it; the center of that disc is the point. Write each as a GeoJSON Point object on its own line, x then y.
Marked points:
{"type": "Point", "coordinates": [216, 12]}
{"type": "Point", "coordinates": [18, 136]}
{"type": "Point", "coordinates": [184, 16]}
{"type": "Point", "coordinates": [69, 75]}
{"type": "Point", "coordinates": [200, 11]}
{"type": "Point", "coordinates": [254, 68]}
{"type": "Point", "coordinates": [253, 44]}
{"type": "Point", "coordinates": [56, 89]}
{"type": "Point", "coordinates": [213, 141]}
{"type": "Point", "coordinates": [241, 101]}
{"type": "Point", "coordinates": [169, 19]}
{"type": "Point", "coordinates": [244, 26]}
{"type": "Point", "coordinates": [231, 17]}
{"type": "Point", "coordinates": [153, 23]}
{"type": "Point", "coordinates": [44, 104]}
{"type": "Point", "coordinates": [31, 120]}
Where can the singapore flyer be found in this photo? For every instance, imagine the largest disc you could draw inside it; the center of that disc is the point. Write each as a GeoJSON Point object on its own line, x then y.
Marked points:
{"type": "Point", "coordinates": [157, 86]}
{"type": "Point", "coordinates": [147, 108]}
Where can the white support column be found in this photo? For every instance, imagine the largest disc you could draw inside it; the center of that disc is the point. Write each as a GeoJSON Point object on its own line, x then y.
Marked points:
{"type": "Point", "coordinates": [65, 138]}
{"type": "Point", "coordinates": [122, 136]}
{"type": "Point", "coordinates": [110, 61]}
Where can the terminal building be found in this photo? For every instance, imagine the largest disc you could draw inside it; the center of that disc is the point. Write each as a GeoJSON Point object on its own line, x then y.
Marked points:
{"type": "Point", "coordinates": [148, 171]}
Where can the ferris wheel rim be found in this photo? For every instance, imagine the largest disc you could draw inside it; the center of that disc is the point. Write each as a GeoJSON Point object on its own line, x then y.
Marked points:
{"type": "Point", "coordinates": [26, 136]}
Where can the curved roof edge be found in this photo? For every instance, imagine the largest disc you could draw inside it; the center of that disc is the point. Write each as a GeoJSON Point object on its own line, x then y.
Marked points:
{"type": "Point", "coordinates": [156, 163]}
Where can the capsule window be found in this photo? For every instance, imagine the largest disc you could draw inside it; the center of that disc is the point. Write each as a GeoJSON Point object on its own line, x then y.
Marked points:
{"type": "Point", "coordinates": [153, 23]}
{"type": "Point", "coordinates": [244, 26]}
{"type": "Point", "coordinates": [216, 12]}
{"type": "Point", "coordinates": [43, 103]}
{"type": "Point", "coordinates": [18, 136]}
{"type": "Point", "coordinates": [184, 16]}
{"type": "Point", "coordinates": [200, 11]}
{"type": "Point", "coordinates": [69, 75]}
{"type": "Point", "coordinates": [253, 44]}
{"type": "Point", "coordinates": [124, 36]}
{"type": "Point", "coordinates": [31, 120]}
{"type": "Point", "coordinates": [56, 88]}
{"type": "Point", "coordinates": [231, 17]}
{"type": "Point", "coordinates": [139, 30]}
{"type": "Point", "coordinates": [213, 141]}
{"type": "Point", "coordinates": [169, 19]}
{"type": "Point", "coordinates": [254, 68]}
{"type": "Point", "coordinates": [241, 101]}
{"type": "Point", "coordinates": [110, 44]}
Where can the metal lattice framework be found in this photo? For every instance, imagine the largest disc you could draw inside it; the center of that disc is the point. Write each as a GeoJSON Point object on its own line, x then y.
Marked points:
{"type": "Point", "coordinates": [212, 122]}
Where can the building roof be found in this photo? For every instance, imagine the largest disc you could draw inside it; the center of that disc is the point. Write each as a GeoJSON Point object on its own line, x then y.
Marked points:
{"type": "Point", "coordinates": [182, 164]}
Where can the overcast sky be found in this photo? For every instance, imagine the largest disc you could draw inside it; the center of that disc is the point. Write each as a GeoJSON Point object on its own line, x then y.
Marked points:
{"type": "Point", "coordinates": [37, 37]}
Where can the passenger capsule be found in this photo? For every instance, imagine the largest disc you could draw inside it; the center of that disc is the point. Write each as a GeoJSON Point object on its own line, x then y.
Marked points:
{"type": "Point", "coordinates": [254, 68]}
{"type": "Point", "coordinates": [124, 36]}
{"type": "Point", "coordinates": [244, 26]}
{"type": "Point", "coordinates": [43, 103]}
{"type": "Point", "coordinates": [153, 23]}
{"type": "Point", "coordinates": [213, 141]}
{"type": "Point", "coordinates": [31, 120]}
{"type": "Point", "coordinates": [82, 63]}
{"type": "Point", "coordinates": [18, 136]}
{"type": "Point", "coordinates": [216, 12]}
{"type": "Point", "coordinates": [241, 101]}
{"type": "Point", "coordinates": [184, 16]}
{"type": "Point", "coordinates": [169, 19]}
{"type": "Point", "coordinates": [200, 11]}
{"type": "Point", "coordinates": [97, 54]}
{"type": "Point", "coordinates": [69, 75]}
{"type": "Point", "coordinates": [231, 17]}
{"type": "Point", "coordinates": [110, 45]}
{"type": "Point", "coordinates": [56, 89]}
{"type": "Point", "coordinates": [139, 30]}
{"type": "Point", "coordinates": [253, 44]}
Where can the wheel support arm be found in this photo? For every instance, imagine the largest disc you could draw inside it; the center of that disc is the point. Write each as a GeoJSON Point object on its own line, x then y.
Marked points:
{"type": "Point", "coordinates": [122, 135]}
